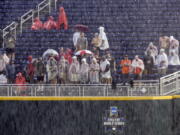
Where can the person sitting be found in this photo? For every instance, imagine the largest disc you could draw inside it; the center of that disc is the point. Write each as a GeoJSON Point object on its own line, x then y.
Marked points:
{"type": "Point", "coordinates": [162, 62]}
{"type": "Point", "coordinates": [50, 24]}
{"type": "Point", "coordinates": [62, 19]}
{"type": "Point", "coordinates": [62, 70]}
{"type": "Point", "coordinates": [103, 44]}
{"type": "Point", "coordinates": [74, 70]}
{"type": "Point", "coordinates": [84, 71]}
{"type": "Point", "coordinates": [37, 24]}
{"type": "Point", "coordinates": [137, 67]}
{"type": "Point", "coordinates": [82, 42]}
{"type": "Point", "coordinates": [125, 69]}
{"type": "Point", "coordinates": [148, 63]}
{"type": "Point", "coordinates": [52, 70]}
{"type": "Point", "coordinates": [94, 72]}
{"type": "Point", "coordinates": [105, 71]}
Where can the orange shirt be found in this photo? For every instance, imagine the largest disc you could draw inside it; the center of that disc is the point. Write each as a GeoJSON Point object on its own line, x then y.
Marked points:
{"type": "Point", "coordinates": [125, 66]}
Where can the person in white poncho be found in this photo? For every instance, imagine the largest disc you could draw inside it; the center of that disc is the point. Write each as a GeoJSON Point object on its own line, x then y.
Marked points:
{"type": "Point", "coordinates": [105, 71]}
{"type": "Point", "coordinates": [94, 72]}
{"type": "Point", "coordinates": [152, 49]}
{"type": "Point", "coordinates": [162, 62]}
{"type": "Point", "coordinates": [103, 44]}
{"type": "Point", "coordinates": [4, 60]}
{"type": "Point", "coordinates": [84, 71]}
{"type": "Point", "coordinates": [74, 70]}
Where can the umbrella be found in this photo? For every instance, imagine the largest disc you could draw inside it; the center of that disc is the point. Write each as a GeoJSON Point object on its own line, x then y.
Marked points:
{"type": "Point", "coordinates": [82, 52]}
{"type": "Point", "coordinates": [50, 52]}
{"type": "Point", "coordinates": [81, 27]}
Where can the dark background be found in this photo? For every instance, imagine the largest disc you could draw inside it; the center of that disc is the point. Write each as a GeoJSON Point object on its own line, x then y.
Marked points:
{"type": "Point", "coordinates": [85, 117]}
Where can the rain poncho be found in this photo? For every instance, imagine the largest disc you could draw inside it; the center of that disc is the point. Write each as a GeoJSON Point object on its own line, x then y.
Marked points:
{"type": "Point", "coordinates": [74, 70]}
{"type": "Point", "coordinates": [62, 68]}
{"type": "Point", "coordinates": [52, 69]}
{"type": "Point", "coordinates": [152, 49]}
{"type": "Point", "coordinates": [30, 68]}
{"type": "Point", "coordinates": [137, 66]}
{"type": "Point", "coordinates": [50, 24]}
{"type": "Point", "coordinates": [103, 38]}
{"type": "Point", "coordinates": [162, 60]}
{"type": "Point", "coordinates": [37, 24]}
{"type": "Point", "coordinates": [103, 67]}
{"type": "Point", "coordinates": [173, 57]}
{"type": "Point", "coordinates": [3, 79]}
{"type": "Point", "coordinates": [76, 36]}
{"type": "Point", "coordinates": [94, 71]}
{"type": "Point", "coordinates": [84, 70]}
{"type": "Point", "coordinates": [4, 60]}
{"type": "Point", "coordinates": [62, 19]}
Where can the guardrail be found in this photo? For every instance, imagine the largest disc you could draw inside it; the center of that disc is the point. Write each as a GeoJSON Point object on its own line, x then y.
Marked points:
{"type": "Point", "coordinates": [79, 90]}
{"type": "Point", "coordinates": [170, 84]}
{"type": "Point", "coordinates": [27, 16]}
{"type": "Point", "coordinates": [44, 4]}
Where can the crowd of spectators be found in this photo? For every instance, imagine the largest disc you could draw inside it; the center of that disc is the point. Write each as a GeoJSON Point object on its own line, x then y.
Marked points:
{"type": "Point", "coordinates": [86, 62]}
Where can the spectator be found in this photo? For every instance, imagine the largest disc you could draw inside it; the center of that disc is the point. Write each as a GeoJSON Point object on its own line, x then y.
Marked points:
{"type": "Point", "coordinates": [30, 69]}
{"type": "Point", "coordinates": [68, 55]}
{"type": "Point", "coordinates": [152, 49]}
{"type": "Point", "coordinates": [84, 70]}
{"type": "Point", "coordinates": [74, 71]}
{"type": "Point", "coordinates": [105, 71]}
{"type": "Point", "coordinates": [50, 24]}
{"type": "Point", "coordinates": [4, 60]}
{"type": "Point", "coordinates": [10, 47]}
{"type": "Point", "coordinates": [62, 20]}
{"type": "Point", "coordinates": [94, 72]}
{"type": "Point", "coordinates": [61, 53]}
{"type": "Point", "coordinates": [164, 43]}
{"type": "Point", "coordinates": [125, 69]}
{"type": "Point", "coordinates": [82, 43]}
{"type": "Point", "coordinates": [103, 44]}
{"type": "Point", "coordinates": [20, 82]}
{"type": "Point", "coordinates": [137, 67]}
{"type": "Point", "coordinates": [112, 63]}
{"type": "Point", "coordinates": [162, 62]}
{"type": "Point", "coordinates": [62, 70]}
{"type": "Point", "coordinates": [3, 79]}
{"type": "Point", "coordinates": [40, 71]}
{"type": "Point", "coordinates": [37, 24]}
{"type": "Point", "coordinates": [173, 56]}
{"type": "Point", "coordinates": [95, 42]}
{"type": "Point", "coordinates": [52, 70]}
{"type": "Point", "coordinates": [173, 43]}
{"type": "Point", "coordinates": [11, 72]}
{"type": "Point", "coordinates": [76, 36]}
{"type": "Point", "coordinates": [148, 63]}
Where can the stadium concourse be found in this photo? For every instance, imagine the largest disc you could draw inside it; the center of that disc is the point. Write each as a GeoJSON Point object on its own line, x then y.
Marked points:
{"type": "Point", "coordinates": [125, 45]}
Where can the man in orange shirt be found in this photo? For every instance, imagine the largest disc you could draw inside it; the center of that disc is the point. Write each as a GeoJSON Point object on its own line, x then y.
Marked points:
{"type": "Point", "coordinates": [125, 68]}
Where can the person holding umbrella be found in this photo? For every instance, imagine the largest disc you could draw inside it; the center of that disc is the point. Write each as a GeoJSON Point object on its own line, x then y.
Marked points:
{"type": "Point", "coordinates": [82, 42]}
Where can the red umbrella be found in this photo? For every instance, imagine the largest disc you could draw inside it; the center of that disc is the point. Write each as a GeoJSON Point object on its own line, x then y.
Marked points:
{"type": "Point", "coordinates": [83, 52]}
{"type": "Point", "coordinates": [81, 27]}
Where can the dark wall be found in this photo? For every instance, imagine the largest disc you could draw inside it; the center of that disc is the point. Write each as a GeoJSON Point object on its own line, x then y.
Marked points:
{"type": "Point", "coordinates": [83, 117]}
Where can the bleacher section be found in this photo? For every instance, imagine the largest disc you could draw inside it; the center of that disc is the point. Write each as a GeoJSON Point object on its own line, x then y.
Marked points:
{"type": "Point", "coordinates": [11, 10]}
{"type": "Point", "coordinates": [130, 26]}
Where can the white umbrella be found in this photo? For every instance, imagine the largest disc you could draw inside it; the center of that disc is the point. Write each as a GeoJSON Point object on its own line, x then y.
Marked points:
{"type": "Point", "coordinates": [50, 52]}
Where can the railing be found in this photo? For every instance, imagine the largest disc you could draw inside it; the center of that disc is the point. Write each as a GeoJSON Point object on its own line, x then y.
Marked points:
{"type": "Point", "coordinates": [10, 29]}
{"type": "Point", "coordinates": [80, 90]}
{"type": "Point", "coordinates": [26, 17]}
{"type": "Point", "coordinates": [44, 4]}
{"type": "Point", "coordinates": [170, 84]}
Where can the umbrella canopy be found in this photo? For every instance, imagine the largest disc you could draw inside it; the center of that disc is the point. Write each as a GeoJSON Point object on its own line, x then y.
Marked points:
{"type": "Point", "coordinates": [81, 27]}
{"type": "Point", "coordinates": [83, 52]}
{"type": "Point", "coordinates": [50, 52]}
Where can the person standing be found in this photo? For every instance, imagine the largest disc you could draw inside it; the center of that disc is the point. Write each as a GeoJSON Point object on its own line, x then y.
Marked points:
{"type": "Point", "coordinates": [96, 42]}
{"type": "Point", "coordinates": [137, 67]}
{"type": "Point", "coordinates": [82, 42]}
{"type": "Point", "coordinates": [11, 72]}
{"type": "Point", "coordinates": [152, 49]}
{"type": "Point", "coordinates": [162, 62]}
{"type": "Point", "coordinates": [125, 69]}
{"type": "Point", "coordinates": [148, 63]}
{"type": "Point", "coordinates": [74, 71]}
{"type": "Point", "coordinates": [62, 19]}
{"type": "Point", "coordinates": [103, 44]}
{"type": "Point", "coordinates": [94, 72]}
